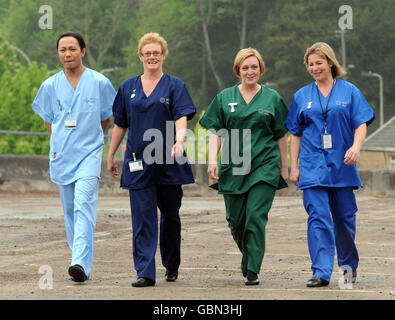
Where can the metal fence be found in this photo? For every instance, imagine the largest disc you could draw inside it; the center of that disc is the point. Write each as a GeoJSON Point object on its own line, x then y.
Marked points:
{"type": "Point", "coordinates": [196, 150]}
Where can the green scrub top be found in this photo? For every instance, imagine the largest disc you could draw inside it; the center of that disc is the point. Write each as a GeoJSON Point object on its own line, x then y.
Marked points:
{"type": "Point", "coordinates": [262, 122]}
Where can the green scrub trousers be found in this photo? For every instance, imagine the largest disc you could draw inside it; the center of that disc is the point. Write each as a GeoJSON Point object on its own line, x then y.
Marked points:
{"type": "Point", "coordinates": [247, 215]}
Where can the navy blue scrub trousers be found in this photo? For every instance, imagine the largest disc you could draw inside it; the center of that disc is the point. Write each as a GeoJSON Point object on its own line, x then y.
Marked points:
{"type": "Point", "coordinates": [331, 224]}
{"type": "Point", "coordinates": [144, 204]}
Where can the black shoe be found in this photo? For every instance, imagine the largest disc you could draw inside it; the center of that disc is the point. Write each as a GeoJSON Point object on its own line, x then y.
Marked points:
{"type": "Point", "coordinates": [354, 276]}
{"type": "Point", "coordinates": [143, 282]}
{"type": "Point", "coordinates": [171, 276]}
{"type": "Point", "coordinates": [77, 273]}
{"type": "Point", "coordinates": [243, 269]}
{"type": "Point", "coordinates": [315, 282]}
{"type": "Point", "coordinates": [251, 278]}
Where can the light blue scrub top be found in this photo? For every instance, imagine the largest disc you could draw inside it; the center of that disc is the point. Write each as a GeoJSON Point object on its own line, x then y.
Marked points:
{"type": "Point", "coordinates": [75, 153]}
{"type": "Point", "coordinates": [347, 110]}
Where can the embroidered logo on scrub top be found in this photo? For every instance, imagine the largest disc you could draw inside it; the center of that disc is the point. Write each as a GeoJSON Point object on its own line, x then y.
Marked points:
{"type": "Point", "coordinates": [232, 106]}
{"type": "Point", "coordinates": [341, 103]}
{"type": "Point", "coordinates": [309, 105]}
{"type": "Point", "coordinates": [265, 112]}
{"type": "Point", "coordinates": [165, 100]}
{"type": "Point", "coordinates": [90, 100]}
{"type": "Point", "coordinates": [133, 94]}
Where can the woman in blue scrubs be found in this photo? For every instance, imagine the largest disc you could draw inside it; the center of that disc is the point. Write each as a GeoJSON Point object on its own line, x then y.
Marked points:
{"type": "Point", "coordinates": [327, 121]}
{"type": "Point", "coordinates": [154, 108]}
{"type": "Point", "coordinates": [75, 105]}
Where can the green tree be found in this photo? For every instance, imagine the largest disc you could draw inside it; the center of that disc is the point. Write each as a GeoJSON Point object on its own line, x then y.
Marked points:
{"type": "Point", "coordinates": [8, 58]}
{"type": "Point", "coordinates": [17, 92]}
{"type": "Point", "coordinates": [105, 26]}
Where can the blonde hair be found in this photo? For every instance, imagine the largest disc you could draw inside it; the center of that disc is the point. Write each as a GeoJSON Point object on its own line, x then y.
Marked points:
{"type": "Point", "coordinates": [244, 54]}
{"type": "Point", "coordinates": [152, 37]}
{"type": "Point", "coordinates": [326, 52]}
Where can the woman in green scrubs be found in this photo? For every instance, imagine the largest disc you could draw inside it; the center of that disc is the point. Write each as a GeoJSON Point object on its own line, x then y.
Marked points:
{"type": "Point", "coordinates": [248, 121]}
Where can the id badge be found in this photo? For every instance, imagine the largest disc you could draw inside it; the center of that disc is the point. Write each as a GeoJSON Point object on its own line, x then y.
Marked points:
{"type": "Point", "coordinates": [70, 124]}
{"type": "Point", "coordinates": [136, 165]}
{"type": "Point", "coordinates": [326, 141]}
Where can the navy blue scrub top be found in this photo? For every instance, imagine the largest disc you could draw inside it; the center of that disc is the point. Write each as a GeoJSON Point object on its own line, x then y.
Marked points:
{"type": "Point", "coordinates": [151, 135]}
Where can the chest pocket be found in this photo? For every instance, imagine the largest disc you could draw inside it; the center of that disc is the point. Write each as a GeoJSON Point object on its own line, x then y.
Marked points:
{"type": "Point", "coordinates": [262, 118]}
{"type": "Point", "coordinates": [90, 104]}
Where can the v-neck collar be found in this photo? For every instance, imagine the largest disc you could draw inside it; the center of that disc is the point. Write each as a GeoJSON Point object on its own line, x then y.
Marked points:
{"type": "Point", "coordinates": [79, 81]}
{"type": "Point", "coordinates": [333, 87]}
{"type": "Point", "coordinates": [253, 98]}
{"type": "Point", "coordinates": [142, 88]}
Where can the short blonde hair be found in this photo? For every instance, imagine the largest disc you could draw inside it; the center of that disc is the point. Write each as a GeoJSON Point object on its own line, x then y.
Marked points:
{"type": "Point", "coordinates": [152, 37]}
{"type": "Point", "coordinates": [325, 51]}
{"type": "Point", "coordinates": [244, 54]}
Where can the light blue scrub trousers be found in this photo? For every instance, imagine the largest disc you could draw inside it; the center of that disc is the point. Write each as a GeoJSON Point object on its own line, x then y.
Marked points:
{"type": "Point", "coordinates": [79, 202]}
{"type": "Point", "coordinates": [331, 224]}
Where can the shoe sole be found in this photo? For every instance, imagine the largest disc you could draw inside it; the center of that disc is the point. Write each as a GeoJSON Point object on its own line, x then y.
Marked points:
{"type": "Point", "coordinates": [251, 282]}
{"type": "Point", "coordinates": [77, 274]}
{"type": "Point", "coordinates": [142, 286]}
{"type": "Point", "coordinates": [171, 279]}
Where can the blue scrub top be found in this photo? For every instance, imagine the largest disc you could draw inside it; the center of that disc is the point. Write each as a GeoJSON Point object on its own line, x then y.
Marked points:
{"type": "Point", "coordinates": [151, 135]}
{"type": "Point", "coordinates": [347, 110]}
{"type": "Point", "coordinates": [75, 153]}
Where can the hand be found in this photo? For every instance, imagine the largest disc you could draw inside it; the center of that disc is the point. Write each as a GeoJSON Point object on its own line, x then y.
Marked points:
{"type": "Point", "coordinates": [284, 173]}
{"type": "Point", "coordinates": [294, 176]}
{"type": "Point", "coordinates": [212, 171]}
{"type": "Point", "coordinates": [352, 156]}
{"type": "Point", "coordinates": [112, 167]}
{"type": "Point", "coordinates": [178, 149]}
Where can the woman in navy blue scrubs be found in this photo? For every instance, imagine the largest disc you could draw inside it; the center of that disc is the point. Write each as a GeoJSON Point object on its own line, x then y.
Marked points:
{"type": "Point", "coordinates": [327, 121]}
{"type": "Point", "coordinates": [154, 107]}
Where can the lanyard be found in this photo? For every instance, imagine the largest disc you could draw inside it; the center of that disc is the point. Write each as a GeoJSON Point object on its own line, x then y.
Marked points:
{"type": "Point", "coordinates": [325, 113]}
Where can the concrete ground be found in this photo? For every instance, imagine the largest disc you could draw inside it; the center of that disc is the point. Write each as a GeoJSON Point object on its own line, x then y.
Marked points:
{"type": "Point", "coordinates": [34, 256]}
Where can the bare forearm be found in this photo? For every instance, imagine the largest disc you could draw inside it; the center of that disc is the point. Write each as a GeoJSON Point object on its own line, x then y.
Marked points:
{"type": "Point", "coordinates": [214, 146]}
{"type": "Point", "coordinates": [116, 139]}
{"type": "Point", "coordinates": [48, 126]}
{"type": "Point", "coordinates": [360, 135]}
{"type": "Point", "coordinates": [294, 149]}
{"type": "Point", "coordinates": [104, 124]}
{"type": "Point", "coordinates": [352, 155]}
{"type": "Point", "coordinates": [283, 147]}
{"type": "Point", "coordinates": [181, 128]}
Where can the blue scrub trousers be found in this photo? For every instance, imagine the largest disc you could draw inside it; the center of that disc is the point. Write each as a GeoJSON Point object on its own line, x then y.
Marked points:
{"type": "Point", "coordinates": [79, 201]}
{"type": "Point", "coordinates": [331, 224]}
{"type": "Point", "coordinates": [144, 204]}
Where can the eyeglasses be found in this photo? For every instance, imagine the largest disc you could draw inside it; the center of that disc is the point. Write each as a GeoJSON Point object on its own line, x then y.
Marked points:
{"type": "Point", "coordinates": [148, 54]}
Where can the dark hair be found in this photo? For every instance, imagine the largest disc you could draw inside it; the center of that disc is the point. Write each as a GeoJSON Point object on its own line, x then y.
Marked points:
{"type": "Point", "coordinates": [75, 35]}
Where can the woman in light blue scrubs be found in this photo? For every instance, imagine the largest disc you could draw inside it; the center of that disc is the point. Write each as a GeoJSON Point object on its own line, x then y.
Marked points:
{"type": "Point", "coordinates": [327, 121]}
{"type": "Point", "coordinates": [76, 106]}
{"type": "Point", "coordinates": [154, 108]}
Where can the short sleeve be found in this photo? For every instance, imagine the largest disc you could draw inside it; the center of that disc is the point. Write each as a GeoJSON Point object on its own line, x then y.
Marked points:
{"type": "Point", "coordinates": [293, 121]}
{"type": "Point", "coordinates": [42, 103]}
{"type": "Point", "coordinates": [108, 94]}
{"type": "Point", "coordinates": [182, 102]}
{"type": "Point", "coordinates": [212, 118]}
{"type": "Point", "coordinates": [281, 111]}
{"type": "Point", "coordinates": [119, 110]}
{"type": "Point", "coordinates": [361, 111]}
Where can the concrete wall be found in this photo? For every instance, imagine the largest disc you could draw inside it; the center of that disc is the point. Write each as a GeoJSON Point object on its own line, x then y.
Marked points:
{"type": "Point", "coordinates": [372, 160]}
{"type": "Point", "coordinates": [29, 173]}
